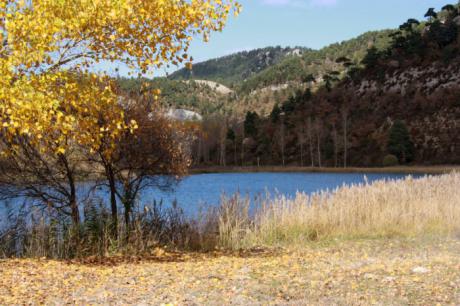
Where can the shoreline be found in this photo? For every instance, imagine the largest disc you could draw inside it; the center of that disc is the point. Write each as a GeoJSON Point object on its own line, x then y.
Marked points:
{"type": "Point", "coordinates": [295, 169]}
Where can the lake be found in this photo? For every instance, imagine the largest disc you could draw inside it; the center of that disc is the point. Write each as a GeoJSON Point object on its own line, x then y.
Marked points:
{"type": "Point", "coordinates": [198, 190]}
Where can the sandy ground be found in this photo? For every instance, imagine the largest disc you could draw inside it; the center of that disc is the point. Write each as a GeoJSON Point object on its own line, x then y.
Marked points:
{"type": "Point", "coordinates": [378, 272]}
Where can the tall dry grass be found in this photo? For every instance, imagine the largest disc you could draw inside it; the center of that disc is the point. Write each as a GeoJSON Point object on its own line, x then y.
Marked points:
{"type": "Point", "coordinates": [37, 234]}
{"type": "Point", "coordinates": [409, 207]}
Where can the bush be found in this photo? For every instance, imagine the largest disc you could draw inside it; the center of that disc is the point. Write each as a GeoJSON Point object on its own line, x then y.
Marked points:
{"type": "Point", "coordinates": [390, 160]}
{"type": "Point", "coordinates": [37, 234]}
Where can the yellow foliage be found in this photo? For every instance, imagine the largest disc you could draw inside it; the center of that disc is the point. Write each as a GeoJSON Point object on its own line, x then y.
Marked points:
{"type": "Point", "coordinates": [48, 46]}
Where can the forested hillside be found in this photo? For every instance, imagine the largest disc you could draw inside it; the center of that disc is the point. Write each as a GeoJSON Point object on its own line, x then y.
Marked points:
{"type": "Point", "coordinates": [334, 106]}
{"type": "Point", "coordinates": [315, 64]}
{"type": "Point", "coordinates": [398, 105]}
{"type": "Point", "coordinates": [191, 95]}
{"type": "Point", "coordinates": [233, 69]}
{"type": "Point", "coordinates": [249, 70]}
{"type": "Point", "coordinates": [257, 79]}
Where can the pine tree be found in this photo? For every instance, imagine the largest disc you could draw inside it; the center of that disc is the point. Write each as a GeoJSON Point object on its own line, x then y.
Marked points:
{"type": "Point", "coordinates": [275, 114]}
{"type": "Point", "coordinates": [400, 143]}
{"type": "Point", "coordinates": [250, 124]}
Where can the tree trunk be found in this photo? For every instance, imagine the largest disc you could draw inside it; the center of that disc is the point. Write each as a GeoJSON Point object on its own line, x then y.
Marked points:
{"type": "Point", "coordinates": [75, 212]}
{"type": "Point", "coordinates": [235, 153]}
{"type": "Point", "coordinates": [282, 143]}
{"type": "Point", "coordinates": [319, 148]}
{"type": "Point", "coordinates": [127, 204]}
{"type": "Point", "coordinates": [318, 141]}
{"type": "Point", "coordinates": [127, 214]}
{"type": "Point", "coordinates": [242, 149]}
{"type": "Point", "coordinates": [310, 139]}
{"type": "Point", "coordinates": [74, 209]}
{"type": "Point", "coordinates": [345, 132]}
{"type": "Point", "coordinates": [334, 131]}
{"type": "Point", "coordinates": [301, 153]}
{"type": "Point", "coordinates": [199, 152]}
{"type": "Point", "coordinates": [223, 147]}
{"type": "Point", "coordinates": [127, 221]}
{"type": "Point", "coordinates": [113, 200]}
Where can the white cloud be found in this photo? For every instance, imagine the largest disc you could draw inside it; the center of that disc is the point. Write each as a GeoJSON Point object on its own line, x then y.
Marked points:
{"type": "Point", "coordinates": [300, 3]}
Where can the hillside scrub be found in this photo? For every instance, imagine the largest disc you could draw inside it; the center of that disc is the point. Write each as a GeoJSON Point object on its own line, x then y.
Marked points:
{"type": "Point", "coordinates": [341, 105]}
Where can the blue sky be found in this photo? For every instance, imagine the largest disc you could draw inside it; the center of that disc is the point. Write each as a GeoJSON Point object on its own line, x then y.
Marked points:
{"type": "Point", "coordinates": [308, 23]}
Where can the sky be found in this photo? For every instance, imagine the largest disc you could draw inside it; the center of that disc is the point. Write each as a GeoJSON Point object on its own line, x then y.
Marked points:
{"type": "Point", "coordinates": [306, 23]}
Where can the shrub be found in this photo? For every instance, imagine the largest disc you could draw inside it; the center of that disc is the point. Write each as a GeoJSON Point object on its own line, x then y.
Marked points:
{"type": "Point", "coordinates": [35, 234]}
{"type": "Point", "coordinates": [390, 160]}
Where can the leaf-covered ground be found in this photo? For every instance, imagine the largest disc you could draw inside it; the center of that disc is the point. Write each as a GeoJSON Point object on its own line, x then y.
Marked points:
{"type": "Point", "coordinates": [377, 272]}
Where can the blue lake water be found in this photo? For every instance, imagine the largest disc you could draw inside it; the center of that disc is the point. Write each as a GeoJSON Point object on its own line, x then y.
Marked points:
{"type": "Point", "coordinates": [199, 190]}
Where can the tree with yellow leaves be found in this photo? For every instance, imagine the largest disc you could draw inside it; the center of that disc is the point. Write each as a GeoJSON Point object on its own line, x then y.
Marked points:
{"type": "Point", "coordinates": [50, 100]}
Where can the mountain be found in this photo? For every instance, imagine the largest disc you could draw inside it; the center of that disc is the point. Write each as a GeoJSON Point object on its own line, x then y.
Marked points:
{"type": "Point", "coordinates": [235, 68]}
{"type": "Point", "coordinates": [317, 62]}
{"type": "Point", "coordinates": [334, 106]}
{"type": "Point", "coordinates": [251, 70]}
{"type": "Point", "coordinates": [410, 89]}
{"type": "Point", "coordinates": [255, 80]}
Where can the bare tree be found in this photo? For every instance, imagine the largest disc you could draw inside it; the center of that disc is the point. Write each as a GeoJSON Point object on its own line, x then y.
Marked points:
{"type": "Point", "coordinates": [344, 113]}
{"type": "Point", "coordinates": [49, 180]}
{"type": "Point", "coordinates": [223, 143]}
{"type": "Point", "coordinates": [231, 137]}
{"type": "Point", "coordinates": [310, 140]}
{"type": "Point", "coordinates": [199, 149]}
{"type": "Point", "coordinates": [301, 137]}
{"type": "Point", "coordinates": [336, 145]}
{"type": "Point", "coordinates": [152, 156]}
{"type": "Point", "coordinates": [235, 157]}
{"type": "Point", "coordinates": [319, 136]}
{"type": "Point", "coordinates": [282, 138]}
{"type": "Point", "coordinates": [243, 138]}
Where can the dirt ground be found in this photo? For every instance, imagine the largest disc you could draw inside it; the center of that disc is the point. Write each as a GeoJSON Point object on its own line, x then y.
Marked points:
{"type": "Point", "coordinates": [295, 169]}
{"type": "Point", "coordinates": [372, 272]}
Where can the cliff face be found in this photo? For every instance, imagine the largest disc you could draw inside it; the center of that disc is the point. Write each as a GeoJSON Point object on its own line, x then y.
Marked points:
{"type": "Point", "coordinates": [426, 98]}
{"type": "Point", "coordinates": [426, 80]}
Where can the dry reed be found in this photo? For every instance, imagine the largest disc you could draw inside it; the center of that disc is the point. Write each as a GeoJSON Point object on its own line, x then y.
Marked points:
{"type": "Point", "coordinates": [409, 207]}
{"type": "Point", "coordinates": [405, 208]}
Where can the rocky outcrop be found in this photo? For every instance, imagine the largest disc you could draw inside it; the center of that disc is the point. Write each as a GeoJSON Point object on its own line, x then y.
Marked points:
{"type": "Point", "coordinates": [426, 98]}
{"type": "Point", "coordinates": [183, 115]}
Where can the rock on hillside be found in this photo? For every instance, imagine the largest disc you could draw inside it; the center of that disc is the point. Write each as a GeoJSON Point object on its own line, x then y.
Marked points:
{"type": "Point", "coordinates": [184, 115]}
{"type": "Point", "coordinates": [426, 98]}
{"type": "Point", "coordinates": [219, 88]}
{"type": "Point", "coordinates": [427, 80]}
